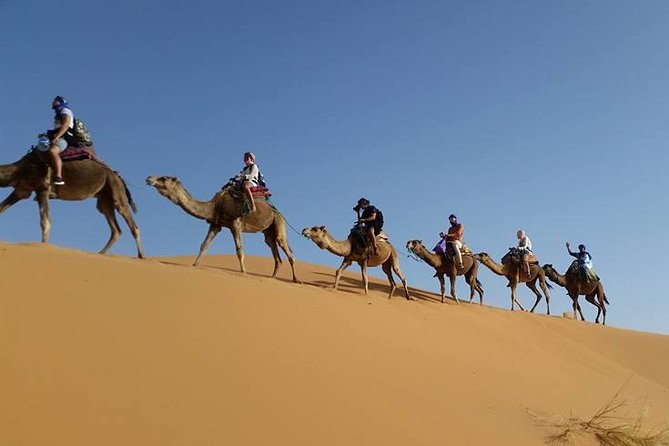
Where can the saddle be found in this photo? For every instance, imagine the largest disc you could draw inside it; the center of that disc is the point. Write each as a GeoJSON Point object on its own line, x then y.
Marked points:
{"type": "Point", "coordinates": [360, 240]}
{"type": "Point", "coordinates": [515, 256]}
{"type": "Point", "coordinates": [574, 269]}
{"type": "Point", "coordinates": [234, 188]}
{"type": "Point", "coordinates": [74, 153]}
{"type": "Point", "coordinates": [449, 251]}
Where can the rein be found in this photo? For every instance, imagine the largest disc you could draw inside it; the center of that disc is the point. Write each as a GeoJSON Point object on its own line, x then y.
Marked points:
{"type": "Point", "coordinates": [285, 219]}
{"type": "Point", "coordinates": [412, 255]}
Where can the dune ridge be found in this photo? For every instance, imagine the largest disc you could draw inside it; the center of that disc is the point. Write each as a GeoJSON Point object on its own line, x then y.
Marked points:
{"type": "Point", "coordinates": [112, 350]}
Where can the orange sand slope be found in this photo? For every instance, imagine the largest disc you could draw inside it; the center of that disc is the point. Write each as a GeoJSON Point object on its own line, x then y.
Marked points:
{"type": "Point", "coordinates": [103, 350]}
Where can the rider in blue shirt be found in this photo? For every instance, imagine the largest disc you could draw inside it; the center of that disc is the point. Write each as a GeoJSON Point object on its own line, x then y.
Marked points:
{"type": "Point", "coordinates": [584, 260]}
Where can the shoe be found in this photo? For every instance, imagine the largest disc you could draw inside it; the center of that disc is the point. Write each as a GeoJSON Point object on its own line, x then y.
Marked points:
{"type": "Point", "coordinates": [58, 181]}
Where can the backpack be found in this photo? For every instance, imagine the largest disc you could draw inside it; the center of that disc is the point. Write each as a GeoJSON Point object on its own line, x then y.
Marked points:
{"type": "Point", "coordinates": [261, 180]}
{"type": "Point", "coordinates": [379, 219]}
{"type": "Point", "coordinates": [81, 133]}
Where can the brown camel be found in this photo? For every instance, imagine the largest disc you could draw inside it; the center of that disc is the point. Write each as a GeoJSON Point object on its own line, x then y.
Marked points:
{"type": "Point", "coordinates": [575, 286]}
{"type": "Point", "coordinates": [84, 179]}
{"type": "Point", "coordinates": [446, 266]}
{"type": "Point", "coordinates": [515, 275]}
{"type": "Point", "coordinates": [386, 256]}
{"type": "Point", "coordinates": [228, 209]}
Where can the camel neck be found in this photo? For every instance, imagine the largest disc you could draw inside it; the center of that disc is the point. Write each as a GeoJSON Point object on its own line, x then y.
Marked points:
{"type": "Point", "coordinates": [7, 173]}
{"type": "Point", "coordinates": [557, 277]}
{"type": "Point", "coordinates": [340, 248]}
{"type": "Point", "coordinates": [199, 209]}
{"type": "Point", "coordinates": [495, 267]}
{"type": "Point", "coordinates": [434, 260]}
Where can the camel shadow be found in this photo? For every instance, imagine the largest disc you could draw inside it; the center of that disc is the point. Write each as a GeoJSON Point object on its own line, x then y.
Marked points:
{"type": "Point", "coordinates": [354, 286]}
{"type": "Point", "coordinates": [228, 269]}
{"type": "Point", "coordinates": [349, 285]}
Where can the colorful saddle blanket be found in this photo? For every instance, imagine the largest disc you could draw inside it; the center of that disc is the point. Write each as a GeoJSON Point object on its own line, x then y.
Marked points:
{"type": "Point", "coordinates": [259, 191]}
{"type": "Point", "coordinates": [73, 153]}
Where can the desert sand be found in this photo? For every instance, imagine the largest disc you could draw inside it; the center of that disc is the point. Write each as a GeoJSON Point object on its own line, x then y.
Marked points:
{"type": "Point", "coordinates": [109, 350]}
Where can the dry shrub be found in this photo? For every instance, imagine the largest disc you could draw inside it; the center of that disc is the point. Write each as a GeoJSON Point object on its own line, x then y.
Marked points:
{"type": "Point", "coordinates": [608, 426]}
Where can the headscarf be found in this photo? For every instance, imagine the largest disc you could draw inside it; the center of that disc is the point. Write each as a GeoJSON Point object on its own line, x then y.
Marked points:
{"type": "Point", "coordinates": [62, 103]}
{"type": "Point", "coordinates": [250, 155]}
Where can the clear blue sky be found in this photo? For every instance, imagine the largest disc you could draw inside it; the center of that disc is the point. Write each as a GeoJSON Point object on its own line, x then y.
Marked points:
{"type": "Point", "coordinates": [546, 116]}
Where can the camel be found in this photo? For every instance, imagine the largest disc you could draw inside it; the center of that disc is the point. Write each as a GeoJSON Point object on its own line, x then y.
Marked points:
{"type": "Point", "coordinates": [575, 286]}
{"type": "Point", "coordinates": [84, 179]}
{"type": "Point", "coordinates": [515, 275]}
{"type": "Point", "coordinates": [229, 210]}
{"type": "Point", "coordinates": [386, 256]}
{"type": "Point", "coordinates": [446, 266]}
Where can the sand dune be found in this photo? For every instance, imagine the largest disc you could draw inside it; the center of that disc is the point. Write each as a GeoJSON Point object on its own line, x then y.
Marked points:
{"type": "Point", "coordinates": [104, 350]}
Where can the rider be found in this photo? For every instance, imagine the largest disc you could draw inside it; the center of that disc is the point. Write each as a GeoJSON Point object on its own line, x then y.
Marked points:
{"type": "Point", "coordinates": [524, 248]}
{"type": "Point", "coordinates": [369, 220]}
{"type": "Point", "coordinates": [584, 260]}
{"type": "Point", "coordinates": [61, 135]}
{"type": "Point", "coordinates": [248, 177]}
{"type": "Point", "coordinates": [454, 238]}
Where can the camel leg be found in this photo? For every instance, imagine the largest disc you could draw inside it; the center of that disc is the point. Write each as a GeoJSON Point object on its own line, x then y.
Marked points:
{"type": "Point", "coordinates": [42, 198]}
{"type": "Point", "coordinates": [107, 209]}
{"type": "Point", "coordinates": [12, 199]}
{"type": "Point", "coordinates": [236, 229]}
{"type": "Point", "coordinates": [345, 264]}
{"type": "Point", "coordinates": [544, 288]}
{"type": "Point", "coordinates": [533, 286]}
{"type": "Point", "coordinates": [513, 286]}
{"type": "Point", "coordinates": [270, 240]}
{"type": "Point", "coordinates": [591, 298]}
{"type": "Point", "coordinates": [576, 306]}
{"type": "Point", "coordinates": [474, 283]}
{"type": "Point", "coordinates": [213, 231]}
{"type": "Point", "coordinates": [134, 229]}
{"type": "Point", "coordinates": [471, 282]}
{"type": "Point", "coordinates": [283, 243]}
{"type": "Point", "coordinates": [365, 277]}
{"type": "Point", "coordinates": [602, 303]}
{"type": "Point", "coordinates": [291, 257]}
{"type": "Point", "coordinates": [479, 289]}
{"type": "Point", "coordinates": [452, 279]}
{"type": "Point", "coordinates": [388, 270]}
{"type": "Point", "coordinates": [442, 285]}
{"type": "Point", "coordinates": [398, 271]}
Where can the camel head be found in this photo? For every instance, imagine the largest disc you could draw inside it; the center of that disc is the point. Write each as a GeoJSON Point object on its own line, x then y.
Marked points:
{"type": "Point", "coordinates": [548, 269]}
{"type": "Point", "coordinates": [481, 256]}
{"type": "Point", "coordinates": [316, 234]}
{"type": "Point", "coordinates": [414, 245]}
{"type": "Point", "coordinates": [164, 185]}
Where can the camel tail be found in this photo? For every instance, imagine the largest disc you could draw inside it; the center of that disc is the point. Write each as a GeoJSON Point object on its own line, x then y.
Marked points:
{"type": "Point", "coordinates": [132, 204]}
{"type": "Point", "coordinates": [605, 299]}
